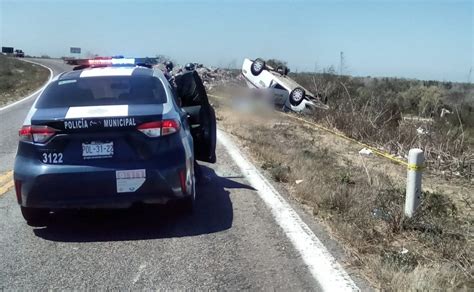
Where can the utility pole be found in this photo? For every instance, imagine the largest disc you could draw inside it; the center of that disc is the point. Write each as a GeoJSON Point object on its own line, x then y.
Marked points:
{"type": "Point", "coordinates": [341, 63]}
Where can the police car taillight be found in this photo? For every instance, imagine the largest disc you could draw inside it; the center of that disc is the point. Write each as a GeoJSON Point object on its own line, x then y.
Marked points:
{"type": "Point", "coordinates": [159, 128]}
{"type": "Point", "coordinates": [38, 134]}
{"type": "Point", "coordinates": [169, 127]}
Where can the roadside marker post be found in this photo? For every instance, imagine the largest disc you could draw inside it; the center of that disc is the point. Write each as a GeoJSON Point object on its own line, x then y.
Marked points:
{"type": "Point", "coordinates": [413, 192]}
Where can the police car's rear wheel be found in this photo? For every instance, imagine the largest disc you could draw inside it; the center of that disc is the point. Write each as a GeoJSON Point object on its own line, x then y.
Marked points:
{"type": "Point", "coordinates": [257, 66]}
{"type": "Point", "coordinates": [35, 216]}
{"type": "Point", "coordinates": [187, 204]}
{"type": "Point", "coordinates": [296, 96]}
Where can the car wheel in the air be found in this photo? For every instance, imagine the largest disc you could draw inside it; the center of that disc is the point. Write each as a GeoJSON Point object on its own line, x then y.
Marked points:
{"type": "Point", "coordinates": [35, 216]}
{"type": "Point", "coordinates": [296, 96]}
{"type": "Point", "coordinates": [257, 67]}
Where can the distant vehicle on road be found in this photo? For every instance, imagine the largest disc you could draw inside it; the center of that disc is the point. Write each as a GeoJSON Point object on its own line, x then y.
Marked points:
{"type": "Point", "coordinates": [285, 91]}
{"type": "Point", "coordinates": [112, 135]}
{"type": "Point", "coordinates": [70, 60]}
{"type": "Point", "coordinates": [19, 54]}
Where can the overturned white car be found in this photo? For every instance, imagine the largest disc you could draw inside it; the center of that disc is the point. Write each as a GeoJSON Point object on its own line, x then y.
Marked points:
{"type": "Point", "coordinates": [284, 90]}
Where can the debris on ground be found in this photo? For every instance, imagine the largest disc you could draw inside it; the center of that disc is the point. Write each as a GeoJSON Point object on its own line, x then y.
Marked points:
{"type": "Point", "coordinates": [365, 151]}
{"type": "Point", "coordinates": [421, 131]}
{"type": "Point", "coordinates": [278, 124]}
{"type": "Point", "coordinates": [214, 76]}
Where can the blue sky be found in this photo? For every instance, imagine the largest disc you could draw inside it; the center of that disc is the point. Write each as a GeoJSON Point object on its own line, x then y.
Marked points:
{"type": "Point", "coordinates": [413, 39]}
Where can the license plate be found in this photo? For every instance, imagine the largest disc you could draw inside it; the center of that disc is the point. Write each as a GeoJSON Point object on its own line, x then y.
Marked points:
{"type": "Point", "coordinates": [97, 150]}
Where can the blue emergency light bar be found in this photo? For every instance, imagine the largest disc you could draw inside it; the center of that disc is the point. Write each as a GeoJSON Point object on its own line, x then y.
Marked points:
{"type": "Point", "coordinates": [116, 61]}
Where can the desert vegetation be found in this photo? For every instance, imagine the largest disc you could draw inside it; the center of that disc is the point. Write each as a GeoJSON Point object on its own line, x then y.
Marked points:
{"type": "Point", "coordinates": [398, 114]}
{"type": "Point", "coordinates": [361, 202]}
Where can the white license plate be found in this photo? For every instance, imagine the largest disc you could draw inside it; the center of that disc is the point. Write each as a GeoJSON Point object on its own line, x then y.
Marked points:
{"type": "Point", "coordinates": [97, 150]}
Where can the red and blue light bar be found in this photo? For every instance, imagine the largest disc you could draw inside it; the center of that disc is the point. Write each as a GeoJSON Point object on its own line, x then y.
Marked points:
{"type": "Point", "coordinates": [111, 62]}
{"type": "Point", "coordinates": [114, 61]}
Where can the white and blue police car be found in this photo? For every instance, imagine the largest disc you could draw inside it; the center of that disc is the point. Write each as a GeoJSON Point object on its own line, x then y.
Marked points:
{"type": "Point", "coordinates": [110, 135]}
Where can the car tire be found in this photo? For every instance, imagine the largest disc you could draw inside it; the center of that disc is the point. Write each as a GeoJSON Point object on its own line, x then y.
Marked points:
{"type": "Point", "coordinates": [35, 216]}
{"type": "Point", "coordinates": [257, 67]}
{"type": "Point", "coordinates": [296, 96]}
{"type": "Point", "coordinates": [187, 204]}
{"type": "Point", "coordinates": [283, 70]}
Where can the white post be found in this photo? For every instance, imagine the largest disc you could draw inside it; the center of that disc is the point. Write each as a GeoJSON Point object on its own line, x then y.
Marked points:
{"type": "Point", "coordinates": [413, 194]}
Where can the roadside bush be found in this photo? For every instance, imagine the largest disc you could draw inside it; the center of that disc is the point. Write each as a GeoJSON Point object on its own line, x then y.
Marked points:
{"type": "Point", "coordinates": [398, 114]}
{"type": "Point", "coordinates": [274, 63]}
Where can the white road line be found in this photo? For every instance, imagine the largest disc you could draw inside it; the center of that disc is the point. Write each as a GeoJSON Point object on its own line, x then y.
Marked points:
{"type": "Point", "coordinates": [322, 265]}
{"type": "Point", "coordinates": [51, 74]}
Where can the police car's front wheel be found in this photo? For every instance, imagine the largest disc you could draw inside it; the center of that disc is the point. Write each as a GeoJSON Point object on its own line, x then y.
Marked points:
{"type": "Point", "coordinates": [35, 216]}
{"type": "Point", "coordinates": [257, 67]}
{"type": "Point", "coordinates": [296, 96]}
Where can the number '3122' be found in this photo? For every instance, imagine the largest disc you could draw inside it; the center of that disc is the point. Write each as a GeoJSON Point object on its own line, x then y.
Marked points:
{"type": "Point", "coordinates": [52, 158]}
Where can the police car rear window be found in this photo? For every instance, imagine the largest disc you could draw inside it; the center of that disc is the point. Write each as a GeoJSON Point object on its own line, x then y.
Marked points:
{"type": "Point", "coordinates": [110, 90]}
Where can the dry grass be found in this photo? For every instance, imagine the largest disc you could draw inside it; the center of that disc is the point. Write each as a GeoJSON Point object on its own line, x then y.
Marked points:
{"type": "Point", "coordinates": [19, 78]}
{"type": "Point", "coordinates": [361, 200]}
{"type": "Point", "coordinates": [372, 110]}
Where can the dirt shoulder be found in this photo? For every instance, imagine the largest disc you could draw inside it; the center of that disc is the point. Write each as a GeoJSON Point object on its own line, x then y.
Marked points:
{"type": "Point", "coordinates": [360, 200]}
{"type": "Point", "coordinates": [18, 79]}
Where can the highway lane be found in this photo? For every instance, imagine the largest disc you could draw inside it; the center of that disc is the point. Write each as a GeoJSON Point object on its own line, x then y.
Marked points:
{"type": "Point", "coordinates": [231, 242]}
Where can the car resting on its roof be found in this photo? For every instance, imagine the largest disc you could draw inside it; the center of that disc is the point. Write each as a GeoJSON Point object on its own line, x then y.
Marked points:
{"type": "Point", "coordinates": [285, 91]}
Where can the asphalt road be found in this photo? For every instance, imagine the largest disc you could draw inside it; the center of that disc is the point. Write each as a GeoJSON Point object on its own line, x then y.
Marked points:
{"type": "Point", "coordinates": [231, 242]}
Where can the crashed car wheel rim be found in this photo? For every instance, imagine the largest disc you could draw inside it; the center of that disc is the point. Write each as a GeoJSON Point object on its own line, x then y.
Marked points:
{"type": "Point", "coordinates": [257, 66]}
{"type": "Point", "coordinates": [297, 95]}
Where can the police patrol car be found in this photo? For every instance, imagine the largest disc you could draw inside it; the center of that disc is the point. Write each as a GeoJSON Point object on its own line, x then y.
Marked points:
{"type": "Point", "coordinates": [110, 135]}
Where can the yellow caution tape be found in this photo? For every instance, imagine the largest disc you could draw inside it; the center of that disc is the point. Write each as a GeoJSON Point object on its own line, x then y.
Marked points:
{"type": "Point", "coordinates": [413, 166]}
{"type": "Point", "coordinates": [388, 156]}
{"type": "Point", "coordinates": [342, 136]}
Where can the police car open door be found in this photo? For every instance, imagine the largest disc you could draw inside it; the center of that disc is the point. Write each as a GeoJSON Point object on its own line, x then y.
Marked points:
{"type": "Point", "coordinates": [202, 118]}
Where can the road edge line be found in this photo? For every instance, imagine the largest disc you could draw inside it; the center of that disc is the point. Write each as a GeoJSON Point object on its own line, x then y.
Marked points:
{"type": "Point", "coordinates": [323, 266]}
{"type": "Point", "coordinates": [51, 74]}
